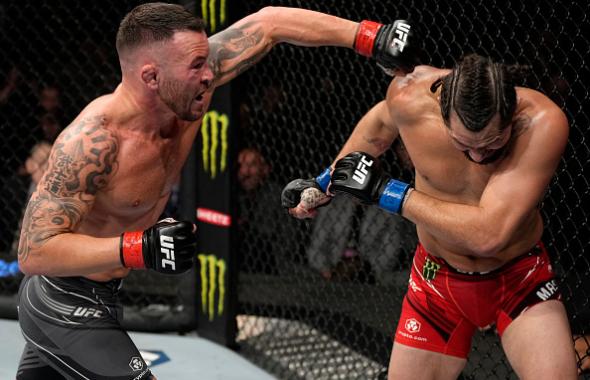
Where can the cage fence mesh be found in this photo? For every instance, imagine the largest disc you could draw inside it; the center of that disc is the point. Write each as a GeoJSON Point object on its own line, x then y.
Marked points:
{"type": "Point", "coordinates": [320, 299]}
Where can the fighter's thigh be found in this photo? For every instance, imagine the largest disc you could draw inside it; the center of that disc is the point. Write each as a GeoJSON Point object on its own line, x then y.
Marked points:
{"type": "Point", "coordinates": [538, 343]}
{"type": "Point", "coordinates": [409, 363]}
{"type": "Point", "coordinates": [97, 354]}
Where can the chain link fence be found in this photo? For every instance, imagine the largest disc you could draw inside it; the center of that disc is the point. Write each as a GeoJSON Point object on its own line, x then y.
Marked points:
{"type": "Point", "coordinates": [321, 300]}
{"type": "Point", "coordinates": [56, 57]}
{"type": "Point", "coordinates": [318, 300]}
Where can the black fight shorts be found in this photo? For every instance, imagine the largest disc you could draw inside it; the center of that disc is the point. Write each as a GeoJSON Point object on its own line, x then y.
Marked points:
{"type": "Point", "coordinates": [72, 331]}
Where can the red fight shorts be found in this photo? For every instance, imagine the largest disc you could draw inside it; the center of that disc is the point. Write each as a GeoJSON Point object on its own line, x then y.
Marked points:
{"type": "Point", "coordinates": [443, 306]}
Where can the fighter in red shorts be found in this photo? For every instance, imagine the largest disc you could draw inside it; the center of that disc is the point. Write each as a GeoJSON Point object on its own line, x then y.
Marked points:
{"type": "Point", "coordinates": [484, 151]}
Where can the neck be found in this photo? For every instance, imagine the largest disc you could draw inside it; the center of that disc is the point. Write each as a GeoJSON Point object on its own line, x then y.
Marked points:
{"type": "Point", "coordinates": [147, 109]}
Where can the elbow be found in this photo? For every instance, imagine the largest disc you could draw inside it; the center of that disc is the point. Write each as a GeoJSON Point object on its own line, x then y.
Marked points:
{"type": "Point", "coordinates": [267, 18]}
{"type": "Point", "coordinates": [28, 265]}
{"type": "Point", "coordinates": [489, 245]}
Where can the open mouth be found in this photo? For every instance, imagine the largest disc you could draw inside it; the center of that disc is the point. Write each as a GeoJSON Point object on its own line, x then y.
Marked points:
{"type": "Point", "coordinates": [199, 97]}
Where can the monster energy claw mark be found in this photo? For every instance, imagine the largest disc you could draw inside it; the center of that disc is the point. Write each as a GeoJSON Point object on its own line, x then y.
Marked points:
{"type": "Point", "coordinates": [429, 270]}
{"type": "Point", "coordinates": [212, 281]}
{"type": "Point", "coordinates": [209, 12]}
{"type": "Point", "coordinates": [214, 133]}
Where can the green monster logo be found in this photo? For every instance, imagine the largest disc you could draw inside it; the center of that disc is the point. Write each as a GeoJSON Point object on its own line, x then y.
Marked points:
{"type": "Point", "coordinates": [212, 281]}
{"type": "Point", "coordinates": [209, 12]}
{"type": "Point", "coordinates": [429, 270]}
{"type": "Point", "coordinates": [214, 134]}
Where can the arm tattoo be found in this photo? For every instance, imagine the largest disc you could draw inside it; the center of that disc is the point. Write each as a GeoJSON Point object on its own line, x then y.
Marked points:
{"type": "Point", "coordinates": [234, 43]}
{"type": "Point", "coordinates": [81, 161]}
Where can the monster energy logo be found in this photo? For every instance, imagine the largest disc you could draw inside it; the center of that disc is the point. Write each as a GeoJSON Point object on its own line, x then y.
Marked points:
{"type": "Point", "coordinates": [209, 12]}
{"type": "Point", "coordinates": [429, 270]}
{"type": "Point", "coordinates": [214, 134]}
{"type": "Point", "coordinates": [212, 282]}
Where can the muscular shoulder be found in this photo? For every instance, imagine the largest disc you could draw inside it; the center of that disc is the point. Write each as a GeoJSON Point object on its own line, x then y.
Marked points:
{"type": "Point", "coordinates": [540, 117]}
{"type": "Point", "coordinates": [409, 96]}
{"type": "Point", "coordinates": [83, 157]}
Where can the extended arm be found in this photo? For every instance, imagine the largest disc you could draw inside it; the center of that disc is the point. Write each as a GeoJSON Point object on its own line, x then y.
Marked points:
{"type": "Point", "coordinates": [244, 43]}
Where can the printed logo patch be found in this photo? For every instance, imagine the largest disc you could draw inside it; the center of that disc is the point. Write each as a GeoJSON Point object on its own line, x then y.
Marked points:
{"type": "Point", "coordinates": [412, 325]}
{"type": "Point", "coordinates": [136, 363]}
{"type": "Point", "coordinates": [429, 270]}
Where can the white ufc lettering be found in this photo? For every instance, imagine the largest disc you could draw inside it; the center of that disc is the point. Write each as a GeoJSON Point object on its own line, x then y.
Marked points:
{"type": "Point", "coordinates": [167, 248]}
{"type": "Point", "coordinates": [87, 312]}
{"type": "Point", "coordinates": [401, 31]}
{"type": "Point", "coordinates": [360, 173]}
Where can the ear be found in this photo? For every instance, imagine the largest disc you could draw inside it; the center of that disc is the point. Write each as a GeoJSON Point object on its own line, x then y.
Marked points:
{"type": "Point", "coordinates": [149, 76]}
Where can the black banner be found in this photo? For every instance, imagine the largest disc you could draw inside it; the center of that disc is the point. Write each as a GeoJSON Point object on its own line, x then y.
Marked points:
{"type": "Point", "coordinates": [215, 211]}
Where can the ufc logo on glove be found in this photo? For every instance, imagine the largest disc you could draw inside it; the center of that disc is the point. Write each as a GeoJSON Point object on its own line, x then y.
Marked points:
{"type": "Point", "coordinates": [360, 173]}
{"type": "Point", "coordinates": [401, 31]}
{"type": "Point", "coordinates": [167, 248]}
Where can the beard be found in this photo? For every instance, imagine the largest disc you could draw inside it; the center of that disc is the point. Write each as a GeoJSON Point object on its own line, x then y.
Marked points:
{"type": "Point", "coordinates": [171, 93]}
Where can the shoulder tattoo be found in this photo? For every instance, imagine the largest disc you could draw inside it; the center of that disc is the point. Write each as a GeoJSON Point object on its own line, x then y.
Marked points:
{"type": "Point", "coordinates": [82, 159]}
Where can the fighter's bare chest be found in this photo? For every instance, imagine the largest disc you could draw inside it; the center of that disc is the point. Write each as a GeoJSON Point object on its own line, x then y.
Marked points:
{"type": "Point", "coordinates": [443, 170]}
{"type": "Point", "coordinates": [144, 178]}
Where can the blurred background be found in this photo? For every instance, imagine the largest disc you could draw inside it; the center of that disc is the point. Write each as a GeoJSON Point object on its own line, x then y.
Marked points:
{"type": "Point", "coordinates": [302, 299]}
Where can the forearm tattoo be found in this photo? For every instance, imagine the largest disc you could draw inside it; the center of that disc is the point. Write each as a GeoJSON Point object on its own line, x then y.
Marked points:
{"type": "Point", "coordinates": [230, 52]}
{"type": "Point", "coordinates": [81, 161]}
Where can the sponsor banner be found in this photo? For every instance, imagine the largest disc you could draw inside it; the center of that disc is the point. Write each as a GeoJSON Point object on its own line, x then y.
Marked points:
{"type": "Point", "coordinates": [215, 143]}
{"type": "Point", "coordinates": [216, 218]}
{"type": "Point", "coordinates": [214, 12]}
{"type": "Point", "coordinates": [213, 275]}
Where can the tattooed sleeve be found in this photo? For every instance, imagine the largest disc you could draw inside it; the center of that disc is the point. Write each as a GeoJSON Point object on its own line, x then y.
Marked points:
{"type": "Point", "coordinates": [236, 49]}
{"type": "Point", "coordinates": [81, 162]}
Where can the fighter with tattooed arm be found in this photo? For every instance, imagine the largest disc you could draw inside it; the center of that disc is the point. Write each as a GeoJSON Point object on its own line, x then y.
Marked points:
{"type": "Point", "coordinates": [94, 215]}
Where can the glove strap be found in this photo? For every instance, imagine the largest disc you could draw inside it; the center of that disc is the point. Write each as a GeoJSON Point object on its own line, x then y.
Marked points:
{"type": "Point", "coordinates": [324, 179]}
{"type": "Point", "coordinates": [393, 196]}
{"type": "Point", "coordinates": [365, 37]}
{"type": "Point", "coordinates": [131, 250]}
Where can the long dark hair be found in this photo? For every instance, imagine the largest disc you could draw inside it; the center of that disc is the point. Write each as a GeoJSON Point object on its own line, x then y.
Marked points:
{"type": "Point", "coordinates": [478, 88]}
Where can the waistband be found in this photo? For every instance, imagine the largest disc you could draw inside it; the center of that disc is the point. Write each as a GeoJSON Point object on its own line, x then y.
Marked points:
{"type": "Point", "coordinates": [423, 255]}
{"type": "Point", "coordinates": [106, 291]}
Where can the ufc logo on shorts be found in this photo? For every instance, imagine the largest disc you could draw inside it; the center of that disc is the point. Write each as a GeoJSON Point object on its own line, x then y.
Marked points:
{"type": "Point", "coordinates": [81, 311]}
{"type": "Point", "coordinates": [360, 173]}
{"type": "Point", "coordinates": [401, 30]}
{"type": "Point", "coordinates": [167, 248]}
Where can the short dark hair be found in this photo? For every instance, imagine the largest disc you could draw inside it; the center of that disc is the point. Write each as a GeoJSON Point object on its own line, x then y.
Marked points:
{"type": "Point", "coordinates": [477, 89]}
{"type": "Point", "coordinates": [153, 22]}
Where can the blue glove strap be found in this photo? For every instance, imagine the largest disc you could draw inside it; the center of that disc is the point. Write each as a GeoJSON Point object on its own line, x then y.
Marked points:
{"type": "Point", "coordinates": [393, 196]}
{"type": "Point", "coordinates": [324, 179]}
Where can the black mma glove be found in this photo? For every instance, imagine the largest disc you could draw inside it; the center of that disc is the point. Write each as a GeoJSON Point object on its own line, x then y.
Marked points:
{"type": "Point", "coordinates": [167, 247]}
{"type": "Point", "coordinates": [291, 194]}
{"type": "Point", "coordinates": [394, 46]}
{"type": "Point", "coordinates": [360, 175]}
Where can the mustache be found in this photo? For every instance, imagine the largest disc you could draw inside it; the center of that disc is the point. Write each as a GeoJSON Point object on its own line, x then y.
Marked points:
{"type": "Point", "coordinates": [499, 153]}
